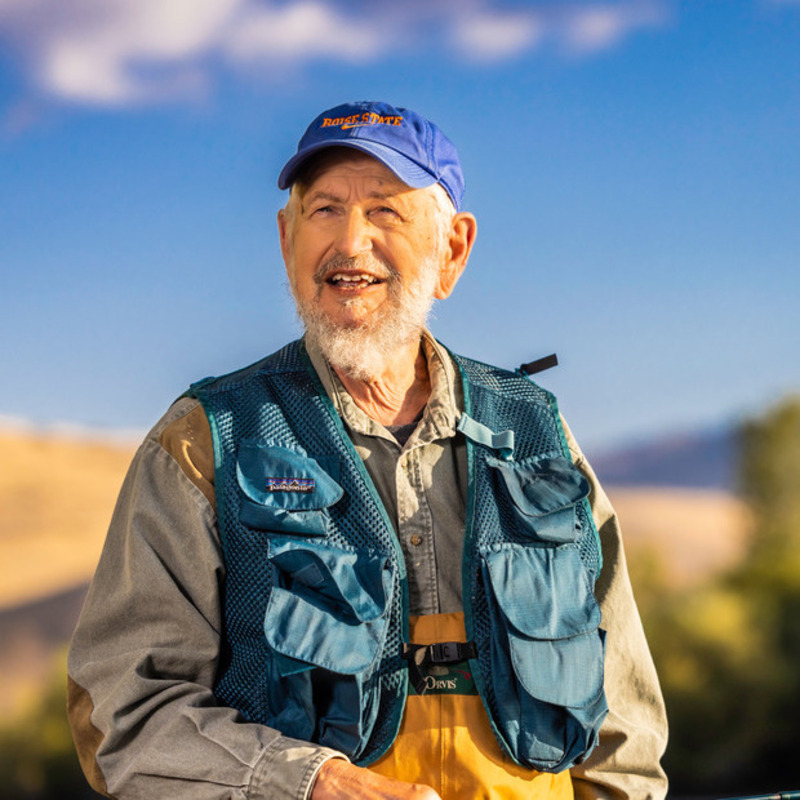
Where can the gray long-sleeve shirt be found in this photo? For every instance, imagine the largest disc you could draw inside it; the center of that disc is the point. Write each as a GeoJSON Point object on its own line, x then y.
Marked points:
{"type": "Point", "coordinates": [144, 655]}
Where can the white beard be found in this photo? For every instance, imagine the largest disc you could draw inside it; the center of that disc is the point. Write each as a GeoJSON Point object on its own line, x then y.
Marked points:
{"type": "Point", "coordinates": [363, 351]}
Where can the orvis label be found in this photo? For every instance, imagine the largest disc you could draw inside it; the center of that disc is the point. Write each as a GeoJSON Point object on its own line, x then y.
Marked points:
{"type": "Point", "coordinates": [452, 679]}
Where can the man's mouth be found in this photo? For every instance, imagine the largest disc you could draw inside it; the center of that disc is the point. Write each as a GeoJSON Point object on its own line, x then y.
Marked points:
{"type": "Point", "coordinates": [352, 280]}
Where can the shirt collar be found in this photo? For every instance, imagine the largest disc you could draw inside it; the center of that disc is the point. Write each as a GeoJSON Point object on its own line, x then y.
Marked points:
{"type": "Point", "coordinates": [440, 415]}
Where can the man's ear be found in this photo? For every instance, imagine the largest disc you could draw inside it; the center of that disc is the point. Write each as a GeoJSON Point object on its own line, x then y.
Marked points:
{"type": "Point", "coordinates": [283, 234]}
{"type": "Point", "coordinates": [461, 238]}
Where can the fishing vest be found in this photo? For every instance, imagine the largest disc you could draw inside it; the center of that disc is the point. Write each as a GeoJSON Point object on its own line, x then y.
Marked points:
{"type": "Point", "coordinates": [315, 640]}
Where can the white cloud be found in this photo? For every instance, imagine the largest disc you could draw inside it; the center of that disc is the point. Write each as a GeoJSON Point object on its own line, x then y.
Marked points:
{"type": "Point", "coordinates": [577, 27]}
{"type": "Point", "coordinates": [117, 51]}
{"type": "Point", "coordinates": [124, 52]}
{"type": "Point", "coordinates": [598, 27]}
{"type": "Point", "coordinates": [304, 30]}
{"type": "Point", "coordinates": [493, 37]}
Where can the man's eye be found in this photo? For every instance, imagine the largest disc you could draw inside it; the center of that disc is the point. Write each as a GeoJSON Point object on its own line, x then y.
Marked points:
{"type": "Point", "coordinates": [385, 210]}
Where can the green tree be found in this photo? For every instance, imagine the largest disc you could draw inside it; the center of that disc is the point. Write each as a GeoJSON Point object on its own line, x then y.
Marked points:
{"type": "Point", "coordinates": [37, 758]}
{"type": "Point", "coordinates": [770, 576]}
{"type": "Point", "coordinates": [728, 652]}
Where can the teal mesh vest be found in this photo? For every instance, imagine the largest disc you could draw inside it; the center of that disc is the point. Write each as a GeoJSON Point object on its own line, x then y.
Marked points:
{"type": "Point", "coordinates": [315, 599]}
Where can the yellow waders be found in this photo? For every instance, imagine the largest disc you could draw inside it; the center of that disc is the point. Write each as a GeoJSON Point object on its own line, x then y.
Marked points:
{"type": "Point", "coordinates": [446, 742]}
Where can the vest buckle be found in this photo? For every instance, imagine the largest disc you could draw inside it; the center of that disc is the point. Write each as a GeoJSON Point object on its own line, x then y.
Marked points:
{"type": "Point", "coordinates": [444, 653]}
{"type": "Point", "coordinates": [439, 653]}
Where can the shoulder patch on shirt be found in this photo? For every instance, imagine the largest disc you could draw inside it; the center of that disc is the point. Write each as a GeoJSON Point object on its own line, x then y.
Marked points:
{"type": "Point", "coordinates": [188, 440]}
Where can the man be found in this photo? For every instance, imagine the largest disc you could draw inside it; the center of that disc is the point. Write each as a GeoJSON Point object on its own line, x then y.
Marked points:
{"type": "Point", "coordinates": [365, 567]}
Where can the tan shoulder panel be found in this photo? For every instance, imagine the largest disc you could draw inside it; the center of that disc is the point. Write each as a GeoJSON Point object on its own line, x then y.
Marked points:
{"type": "Point", "coordinates": [188, 440]}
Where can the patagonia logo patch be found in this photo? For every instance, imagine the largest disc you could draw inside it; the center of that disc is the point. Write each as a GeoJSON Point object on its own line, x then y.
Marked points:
{"type": "Point", "coordinates": [297, 485]}
{"type": "Point", "coordinates": [359, 120]}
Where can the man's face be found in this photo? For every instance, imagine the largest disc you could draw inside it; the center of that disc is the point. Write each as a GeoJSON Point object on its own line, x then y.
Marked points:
{"type": "Point", "coordinates": [355, 238]}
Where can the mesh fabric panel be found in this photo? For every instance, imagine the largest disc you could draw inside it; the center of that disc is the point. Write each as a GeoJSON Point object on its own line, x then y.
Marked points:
{"type": "Point", "coordinates": [509, 401]}
{"type": "Point", "coordinates": [277, 400]}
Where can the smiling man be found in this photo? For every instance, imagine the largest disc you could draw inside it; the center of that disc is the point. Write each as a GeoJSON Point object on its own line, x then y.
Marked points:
{"type": "Point", "coordinates": [366, 256]}
{"type": "Point", "coordinates": [366, 567]}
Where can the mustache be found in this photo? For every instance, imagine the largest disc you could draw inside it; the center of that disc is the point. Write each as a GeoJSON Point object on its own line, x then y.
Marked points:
{"type": "Point", "coordinates": [370, 264]}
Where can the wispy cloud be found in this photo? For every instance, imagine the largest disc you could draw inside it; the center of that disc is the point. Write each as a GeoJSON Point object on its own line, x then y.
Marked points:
{"type": "Point", "coordinates": [490, 35]}
{"type": "Point", "coordinates": [599, 27]}
{"type": "Point", "coordinates": [493, 36]}
{"type": "Point", "coordinates": [127, 52]}
{"type": "Point", "coordinates": [300, 32]}
{"type": "Point", "coordinates": [114, 51]}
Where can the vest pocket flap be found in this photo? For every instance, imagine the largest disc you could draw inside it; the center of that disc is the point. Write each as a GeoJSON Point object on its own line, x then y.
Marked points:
{"type": "Point", "coordinates": [540, 486]}
{"type": "Point", "coordinates": [266, 518]}
{"type": "Point", "coordinates": [354, 583]}
{"type": "Point", "coordinates": [542, 592]}
{"type": "Point", "coordinates": [328, 606]}
{"type": "Point", "coordinates": [279, 478]}
{"type": "Point", "coordinates": [304, 631]}
{"type": "Point", "coordinates": [563, 672]}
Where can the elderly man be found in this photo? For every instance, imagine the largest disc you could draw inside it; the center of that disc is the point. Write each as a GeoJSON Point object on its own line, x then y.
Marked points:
{"type": "Point", "coordinates": [365, 567]}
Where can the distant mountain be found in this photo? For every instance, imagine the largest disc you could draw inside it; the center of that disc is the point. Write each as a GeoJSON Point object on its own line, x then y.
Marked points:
{"type": "Point", "coordinates": [701, 460]}
{"type": "Point", "coordinates": [49, 620]}
{"type": "Point", "coordinates": [31, 634]}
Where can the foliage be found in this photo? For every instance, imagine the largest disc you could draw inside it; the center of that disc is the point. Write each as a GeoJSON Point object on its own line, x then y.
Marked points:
{"type": "Point", "coordinates": [728, 652]}
{"type": "Point", "coordinates": [37, 758]}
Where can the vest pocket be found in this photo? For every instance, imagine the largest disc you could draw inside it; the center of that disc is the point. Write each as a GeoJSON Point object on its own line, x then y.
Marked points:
{"type": "Point", "coordinates": [325, 624]}
{"type": "Point", "coordinates": [543, 491]}
{"type": "Point", "coordinates": [284, 489]}
{"type": "Point", "coordinates": [546, 653]}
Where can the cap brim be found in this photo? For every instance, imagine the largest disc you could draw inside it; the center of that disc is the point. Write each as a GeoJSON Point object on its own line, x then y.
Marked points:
{"type": "Point", "coordinates": [410, 173]}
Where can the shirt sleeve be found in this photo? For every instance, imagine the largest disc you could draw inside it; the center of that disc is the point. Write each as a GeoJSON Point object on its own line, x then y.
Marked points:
{"type": "Point", "coordinates": [144, 655]}
{"type": "Point", "coordinates": [626, 763]}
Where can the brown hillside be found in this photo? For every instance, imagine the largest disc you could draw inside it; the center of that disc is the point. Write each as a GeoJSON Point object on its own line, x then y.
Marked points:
{"type": "Point", "coordinates": [57, 495]}
{"type": "Point", "coordinates": [56, 498]}
{"type": "Point", "coordinates": [696, 532]}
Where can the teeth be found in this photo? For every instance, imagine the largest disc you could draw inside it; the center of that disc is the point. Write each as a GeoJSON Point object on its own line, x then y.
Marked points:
{"type": "Point", "coordinates": [363, 278]}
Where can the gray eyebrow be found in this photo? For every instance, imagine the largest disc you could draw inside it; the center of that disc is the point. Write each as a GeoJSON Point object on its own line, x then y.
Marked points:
{"type": "Point", "coordinates": [320, 195]}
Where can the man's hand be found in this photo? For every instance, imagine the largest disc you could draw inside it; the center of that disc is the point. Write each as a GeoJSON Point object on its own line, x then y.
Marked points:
{"type": "Point", "coordinates": [340, 780]}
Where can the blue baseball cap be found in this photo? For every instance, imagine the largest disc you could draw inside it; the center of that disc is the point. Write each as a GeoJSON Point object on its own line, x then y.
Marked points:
{"type": "Point", "coordinates": [409, 145]}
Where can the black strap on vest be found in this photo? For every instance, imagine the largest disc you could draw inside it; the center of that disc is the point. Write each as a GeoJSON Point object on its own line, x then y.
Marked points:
{"type": "Point", "coordinates": [423, 655]}
{"type": "Point", "coordinates": [540, 365]}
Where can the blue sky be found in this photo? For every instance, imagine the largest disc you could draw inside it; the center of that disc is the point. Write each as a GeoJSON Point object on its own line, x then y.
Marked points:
{"type": "Point", "coordinates": [634, 167]}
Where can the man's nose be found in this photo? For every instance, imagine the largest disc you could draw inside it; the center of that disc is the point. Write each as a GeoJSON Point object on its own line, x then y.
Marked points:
{"type": "Point", "coordinates": [354, 234]}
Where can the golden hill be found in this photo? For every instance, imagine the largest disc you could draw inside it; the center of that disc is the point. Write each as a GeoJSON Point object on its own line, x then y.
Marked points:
{"type": "Point", "coordinates": [696, 532]}
{"type": "Point", "coordinates": [56, 498]}
{"type": "Point", "coordinates": [57, 494]}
